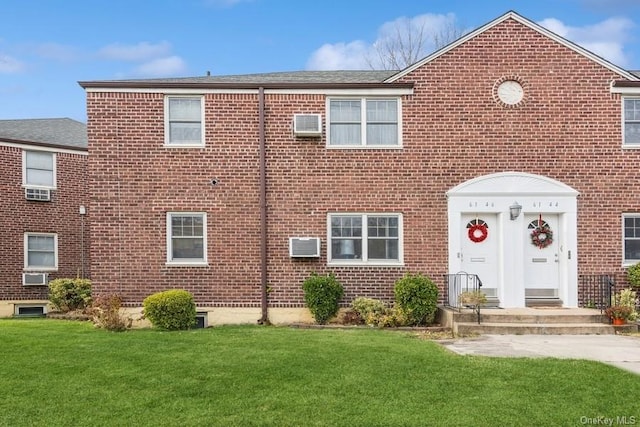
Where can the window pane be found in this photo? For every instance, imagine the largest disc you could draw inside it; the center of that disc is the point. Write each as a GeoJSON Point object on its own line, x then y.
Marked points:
{"type": "Point", "coordinates": [382, 134]}
{"type": "Point", "coordinates": [187, 248]}
{"type": "Point", "coordinates": [346, 134]}
{"type": "Point", "coordinates": [41, 243]}
{"type": "Point", "coordinates": [345, 111]}
{"type": "Point", "coordinates": [184, 109]}
{"type": "Point", "coordinates": [383, 249]}
{"type": "Point", "coordinates": [632, 250]}
{"type": "Point", "coordinates": [39, 177]}
{"type": "Point", "coordinates": [180, 132]}
{"type": "Point", "coordinates": [37, 160]}
{"type": "Point", "coordinates": [346, 248]}
{"type": "Point", "coordinates": [382, 111]}
{"type": "Point", "coordinates": [632, 133]}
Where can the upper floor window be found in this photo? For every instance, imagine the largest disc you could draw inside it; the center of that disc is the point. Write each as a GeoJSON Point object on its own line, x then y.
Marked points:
{"type": "Point", "coordinates": [365, 239]}
{"type": "Point", "coordinates": [39, 169]}
{"type": "Point", "coordinates": [184, 121]}
{"type": "Point", "coordinates": [40, 251]}
{"type": "Point", "coordinates": [364, 122]}
{"type": "Point", "coordinates": [632, 121]}
{"type": "Point", "coordinates": [631, 236]}
{"type": "Point", "coordinates": [187, 238]}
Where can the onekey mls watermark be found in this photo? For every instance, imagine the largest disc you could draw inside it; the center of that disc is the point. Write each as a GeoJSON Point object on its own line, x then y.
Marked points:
{"type": "Point", "coordinates": [620, 420]}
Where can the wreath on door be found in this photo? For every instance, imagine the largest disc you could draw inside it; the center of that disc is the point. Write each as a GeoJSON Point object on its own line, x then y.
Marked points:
{"type": "Point", "coordinates": [477, 230]}
{"type": "Point", "coordinates": [542, 235]}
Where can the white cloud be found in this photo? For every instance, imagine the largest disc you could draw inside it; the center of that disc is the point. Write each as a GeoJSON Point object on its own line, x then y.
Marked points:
{"type": "Point", "coordinates": [606, 38]}
{"type": "Point", "coordinates": [361, 55]}
{"type": "Point", "coordinates": [142, 51]}
{"type": "Point", "coordinates": [162, 67]}
{"type": "Point", "coordinates": [340, 56]}
{"type": "Point", "coordinates": [10, 65]}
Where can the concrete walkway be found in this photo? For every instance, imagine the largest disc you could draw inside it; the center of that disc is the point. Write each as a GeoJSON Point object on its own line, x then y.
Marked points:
{"type": "Point", "coordinates": [617, 350]}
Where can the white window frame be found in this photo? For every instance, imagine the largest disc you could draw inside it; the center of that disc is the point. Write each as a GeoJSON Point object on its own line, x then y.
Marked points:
{"type": "Point", "coordinates": [186, 261]}
{"type": "Point", "coordinates": [628, 262]}
{"type": "Point", "coordinates": [39, 268]}
{"type": "Point", "coordinates": [365, 261]}
{"type": "Point", "coordinates": [363, 122]}
{"type": "Point", "coordinates": [624, 122]}
{"type": "Point", "coordinates": [25, 184]}
{"type": "Point", "coordinates": [167, 123]}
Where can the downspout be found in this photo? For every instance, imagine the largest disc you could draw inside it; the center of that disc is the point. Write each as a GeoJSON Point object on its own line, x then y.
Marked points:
{"type": "Point", "coordinates": [264, 319]}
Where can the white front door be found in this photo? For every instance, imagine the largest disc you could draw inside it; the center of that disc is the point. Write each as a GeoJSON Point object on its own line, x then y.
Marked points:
{"type": "Point", "coordinates": [480, 240]}
{"type": "Point", "coordinates": [541, 256]}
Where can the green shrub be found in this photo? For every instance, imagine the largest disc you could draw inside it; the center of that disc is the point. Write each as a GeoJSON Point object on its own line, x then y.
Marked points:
{"type": "Point", "coordinates": [371, 311]}
{"type": "Point", "coordinates": [70, 294]}
{"type": "Point", "coordinates": [172, 310]}
{"type": "Point", "coordinates": [105, 313]}
{"type": "Point", "coordinates": [633, 275]}
{"type": "Point", "coordinates": [627, 298]}
{"type": "Point", "coordinates": [416, 299]}
{"type": "Point", "coordinates": [321, 294]}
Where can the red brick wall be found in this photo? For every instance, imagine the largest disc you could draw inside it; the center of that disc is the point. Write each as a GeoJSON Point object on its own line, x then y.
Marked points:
{"type": "Point", "coordinates": [60, 216]}
{"type": "Point", "coordinates": [568, 128]}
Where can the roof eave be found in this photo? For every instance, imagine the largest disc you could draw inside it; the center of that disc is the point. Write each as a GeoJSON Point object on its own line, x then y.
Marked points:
{"type": "Point", "coordinates": [43, 144]}
{"type": "Point", "coordinates": [229, 85]}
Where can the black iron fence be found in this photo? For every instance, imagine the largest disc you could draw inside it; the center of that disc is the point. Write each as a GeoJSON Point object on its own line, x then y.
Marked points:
{"type": "Point", "coordinates": [596, 291]}
{"type": "Point", "coordinates": [456, 284]}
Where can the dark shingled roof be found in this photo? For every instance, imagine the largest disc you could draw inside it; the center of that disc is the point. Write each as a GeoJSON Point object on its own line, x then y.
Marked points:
{"type": "Point", "coordinates": [61, 132]}
{"type": "Point", "coordinates": [304, 77]}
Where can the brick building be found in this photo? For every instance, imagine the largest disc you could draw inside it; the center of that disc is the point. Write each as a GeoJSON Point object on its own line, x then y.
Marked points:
{"type": "Point", "coordinates": [218, 184]}
{"type": "Point", "coordinates": [43, 234]}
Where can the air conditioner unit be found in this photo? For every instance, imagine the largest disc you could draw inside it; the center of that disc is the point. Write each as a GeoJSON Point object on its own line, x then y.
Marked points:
{"type": "Point", "coordinates": [37, 194]}
{"type": "Point", "coordinates": [35, 279]}
{"type": "Point", "coordinates": [304, 247]}
{"type": "Point", "coordinates": [307, 124]}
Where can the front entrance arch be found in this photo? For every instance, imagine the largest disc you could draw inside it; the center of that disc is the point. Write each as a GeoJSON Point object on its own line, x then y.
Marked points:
{"type": "Point", "coordinates": [516, 269]}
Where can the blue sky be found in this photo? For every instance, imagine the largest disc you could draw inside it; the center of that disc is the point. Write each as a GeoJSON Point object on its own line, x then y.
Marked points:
{"type": "Point", "coordinates": [46, 46]}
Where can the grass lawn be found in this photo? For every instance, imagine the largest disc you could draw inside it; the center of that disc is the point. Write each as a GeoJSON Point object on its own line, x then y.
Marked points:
{"type": "Point", "coordinates": [61, 373]}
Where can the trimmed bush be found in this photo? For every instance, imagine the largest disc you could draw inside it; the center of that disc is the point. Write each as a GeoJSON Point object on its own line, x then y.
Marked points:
{"type": "Point", "coordinates": [172, 310]}
{"type": "Point", "coordinates": [633, 275]}
{"type": "Point", "coordinates": [70, 294]}
{"type": "Point", "coordinates": [321, 294]}
{"type": "Point", "coordinates": [416, 299]}
{"type": "Point", "coordinates": [105, 313]}
{"type": "Point", "coordinates": [371, 311]}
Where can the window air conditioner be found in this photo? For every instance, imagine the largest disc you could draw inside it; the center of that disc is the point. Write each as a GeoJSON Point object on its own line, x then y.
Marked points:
{"type": "Point", "coordinates": [35, 279]}
{"type": "Point", "coordinates": [307, 124]}
{"type": "Point", "coordinates": [304, 247]}
{"type": "Point", "coordinates": [37, 194]}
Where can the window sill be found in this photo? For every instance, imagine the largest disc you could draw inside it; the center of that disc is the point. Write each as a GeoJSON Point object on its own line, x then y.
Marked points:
{"type": "Point", "coordinates": [365, 147]}
{"type": "Point", "coordinates": [186, 264]}
{"type": "Point", "coordinates": [167, 145]}
{"type": "Point", "coordinates": [365, 264]}
{"type": "Point", "coordinates": [39, 269]}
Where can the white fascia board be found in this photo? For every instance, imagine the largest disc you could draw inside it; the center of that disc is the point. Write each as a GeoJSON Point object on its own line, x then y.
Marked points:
{"type": "Point", "coordinates": [30, 147]}
{"type": "Point", "coordinates": [310, 91]}
{"type": "Point", "coordinates": [630, 91]}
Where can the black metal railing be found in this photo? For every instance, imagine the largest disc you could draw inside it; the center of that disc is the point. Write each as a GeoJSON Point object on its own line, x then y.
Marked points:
{"type": "Point", "coordinates": [596, 291]}
{"type": "Point", "coordinates": [456, 284]}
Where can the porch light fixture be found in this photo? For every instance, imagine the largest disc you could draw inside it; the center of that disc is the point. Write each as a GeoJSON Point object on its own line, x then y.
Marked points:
{"type": "Point", "coordinates": [514, 210]}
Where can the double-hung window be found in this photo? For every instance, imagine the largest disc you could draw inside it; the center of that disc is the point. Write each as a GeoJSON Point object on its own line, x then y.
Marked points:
{"type": "Point", "coordinates": [372, 239]}
{"type": "Point", "coordinates": [187, 238]}
{"type": "Point", "coordinates": [39, 169]}
{"type": "Point", "coordinates": [184, 121]}
{"type": "Point", "coordinates": [631, 233]}
{"type": "Point", "coordinates": [364, 122]}
{"type": "Point", "coordinates": [40, 252]}
{"type": "Point", "coordinates": [632, 121]}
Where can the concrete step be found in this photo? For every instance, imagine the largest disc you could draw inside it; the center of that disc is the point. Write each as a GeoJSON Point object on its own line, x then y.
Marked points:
{"type": "Point", "coordinates": [468, 328]}
{"type": "Point", "coordinates": [496, 316]}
